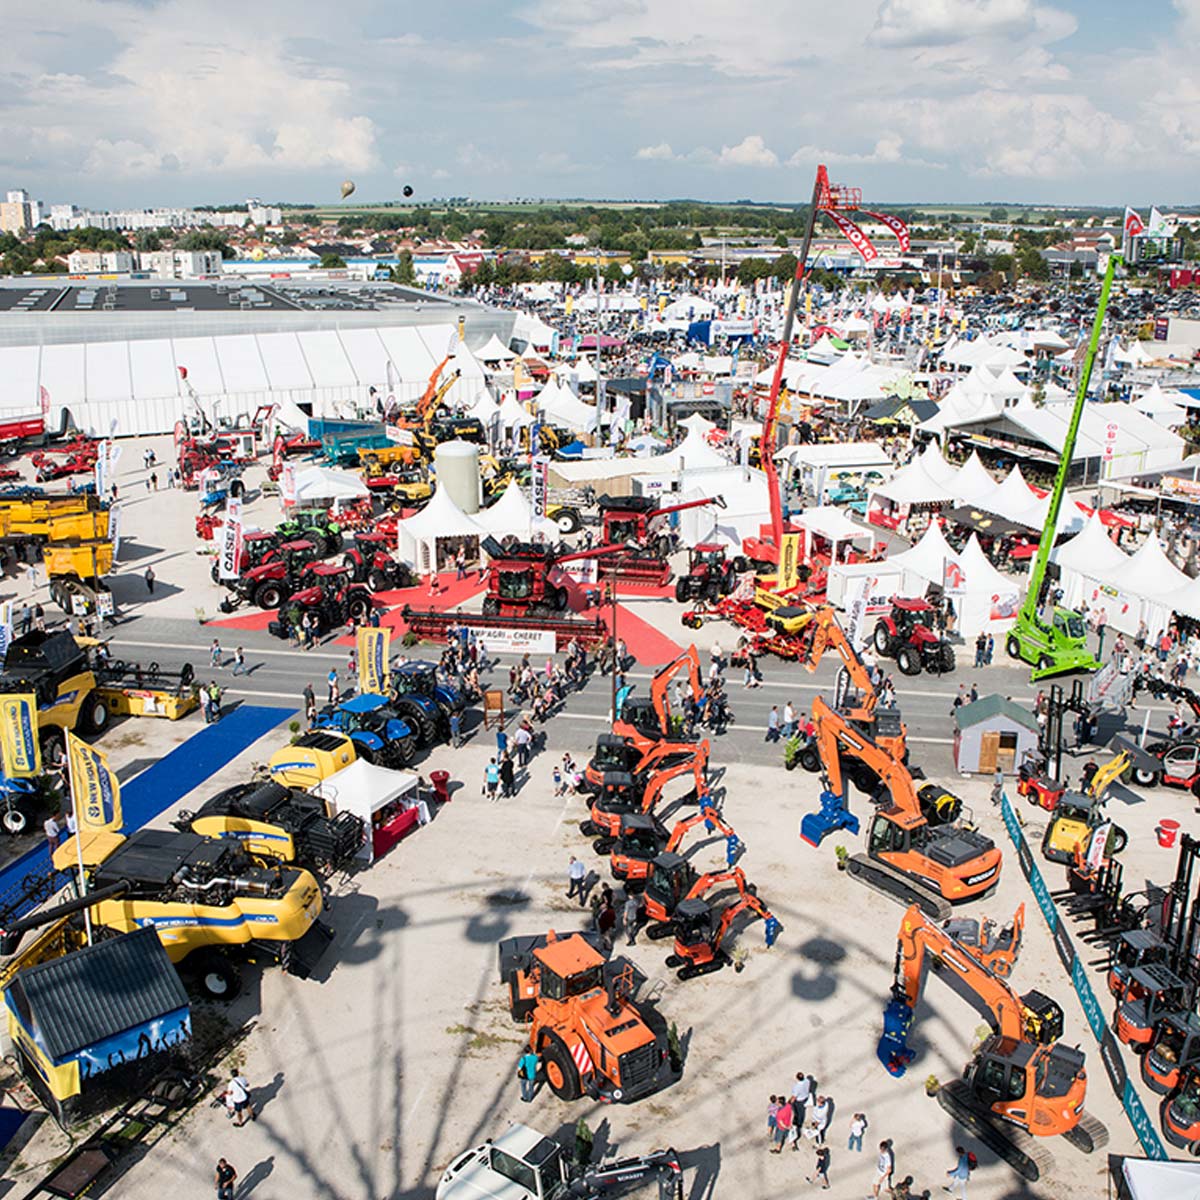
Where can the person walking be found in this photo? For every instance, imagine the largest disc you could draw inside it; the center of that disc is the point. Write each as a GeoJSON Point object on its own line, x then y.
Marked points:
{"type": "Point", "coordinates": [858, 1126]}
{"type": "Point", "coordinates": [53, 832]}
{"type": "Point", "coordinates": [772, 725]}
{"type": "Point", "coordinates": [789, 721]}
{"type": "Point", "coordinates": [214, 703]}
{"type": "Point", "coordinates": [606, 921]}
{"type": "Point", "coordinates": [885, 1167]}
{"type": "Point", "coordinates": [522, 739]}
{"type": "Point", "coordinates": [225, 1177]}
{"type": "Point", "coordinates": [959, 1173]}
{"type": "Point", "coordinates": [149, 577]}
{"type": "Point", "coordinates": [501, 741]}
{"type": "Point", "coordinates": [991, 649]}
{"type": "Point", "coordinates": [802, 1091]}
{"type": "Point", "coordinates": [506, 775]}
{"type": "Point", "coordinates": [456, 729]}
{"type": "Point", "coordinates": [239, 661]}
{"type": "Point", "coordinates": [310, 697]}
{"type": "Point", "coordinates": [576, 874]}
{"type": "Point", "coordinates": [822, 1114]}
{"type": "Point", "coordinates": [214, 655]}
{"type": "Point", "coordinates": [772, 1112]}
{"type": "Point", "coordinates": [460, 564]}
{"type": "Point", "coordinates": [821, 1168]}
{"type": "Point", "coordinates": [334, 689]}
{"type": "Point", "coordinates": [1101, 629]}
{"type": "Point", "coordinates": [980, 648]}
{"type": "Point", "coordinates": [238, 1091]}
{"type": "Point", "coordinates": [631, 913]}
{"type": "Point", "coordinates": [997, 787]}
{"type": "Point", "coordinates": [491, 779]}
{"type": "Point", "coordinates": [527, 1073]}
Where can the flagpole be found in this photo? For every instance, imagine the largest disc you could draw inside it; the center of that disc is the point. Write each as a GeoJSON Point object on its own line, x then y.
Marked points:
{"type": "Point", "coordinates": [87, 914]}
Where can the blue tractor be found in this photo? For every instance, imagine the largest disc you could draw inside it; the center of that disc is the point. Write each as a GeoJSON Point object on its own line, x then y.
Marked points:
{"type": "Point", "coordinates": [424, 702]}
{"type": "Point", "coordinates": [379, 733]}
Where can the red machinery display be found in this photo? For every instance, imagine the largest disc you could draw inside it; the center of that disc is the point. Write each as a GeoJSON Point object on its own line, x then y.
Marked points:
{"type": "Point", "coordinates": [18, 434]}
{"type": "Point", "coordinates": [641, 837]}
{"type": "Point", "coordinates": [710, 574]}
{"type": "Point", "coordinates": [518, 578]}
{"type": "Point", "coordinates": [332, 596]}
{"type": "Point", "coordinates": [1022, 1084]}
{"type": "Point", "coordinates": [369, 561]}
{"type": "Point", "coordinates": [905, 634]}
{"type": "Point", "coordinates": [638, 523]}
{"type": "Point", "coordinates": [267, 585]}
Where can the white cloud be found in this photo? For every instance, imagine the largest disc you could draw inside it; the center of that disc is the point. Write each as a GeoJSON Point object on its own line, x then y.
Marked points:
{"type": "Point", "coordinates": [751, 151]}
{"type": "Point", "coordinates": [947, 22]}
{"type": "Point", "coordinates": [888, 149]}
{"type": "Point", "coordinates": [661, 152]}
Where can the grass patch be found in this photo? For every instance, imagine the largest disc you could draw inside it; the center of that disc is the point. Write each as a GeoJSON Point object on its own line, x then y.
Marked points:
{"type": "Point", "coordinates": [479, 1040]}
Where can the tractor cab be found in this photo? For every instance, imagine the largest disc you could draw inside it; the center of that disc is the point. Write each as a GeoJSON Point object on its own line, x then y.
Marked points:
{"type": "Point", "coordinates": [1151, 993]}
{"type": "Point", "coordinates": [626, 518]}
{"type": "Point", "coordinates": [1174, 1046]}
{"type": "Point", "coordinates": [418, 677]}
{"type": "Point", "coordinates": [1069, 630]}
{"type": "Point", "coordinates": [706, 557]}
{"type": "Point", "coordinates": [1134, 948]}
{"type": "Point", "coordinates": [569, 967]}
{"type": "Point", "coordinates": [1181, 1113]}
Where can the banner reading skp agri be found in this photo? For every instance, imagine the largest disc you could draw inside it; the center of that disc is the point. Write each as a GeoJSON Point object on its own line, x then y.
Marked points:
{"type": "Point", "coordinates": [231, 539]}
{"type": "Point", "coordinates": [95, 792]}
{"type": "Point", "coordinates": [373, 660]}
{"type": "Point", "coordinates": [19, 748]}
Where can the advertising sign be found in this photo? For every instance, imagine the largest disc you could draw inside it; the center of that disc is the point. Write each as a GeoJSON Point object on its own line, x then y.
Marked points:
{"type": "Point", "coordinates": [518, 641]}
{"type": "Point", "coordinates": [538, 487]}
{"type": "Point", "coordinates": [95, 791]}
{"type": "Point", "coordinates": [231, 540]}
{"type": "Point", "coordinates": [19, 746]}
{"type": "Point", "coordinates": [373, 660]}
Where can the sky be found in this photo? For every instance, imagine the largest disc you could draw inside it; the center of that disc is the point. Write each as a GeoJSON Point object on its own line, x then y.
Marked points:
{"type": "Point", "coordinates": [140, 103]}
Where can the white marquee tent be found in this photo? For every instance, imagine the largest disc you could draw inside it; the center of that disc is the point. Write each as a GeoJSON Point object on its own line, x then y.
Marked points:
{"type": "Point", "coordinates": [328, 483]}
{"type": "Point", "coordinates": [560, 406]}
{"type": "Point", "coordinates": [513, 513]}
{"type": "Point", "coordinates": [441, 519]}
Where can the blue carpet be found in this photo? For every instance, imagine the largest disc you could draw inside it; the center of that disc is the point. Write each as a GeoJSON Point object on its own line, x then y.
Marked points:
{"type": "Point", "coordinates": [11, 1119]}
{"type": "Point", "coordinates": [160, 786]}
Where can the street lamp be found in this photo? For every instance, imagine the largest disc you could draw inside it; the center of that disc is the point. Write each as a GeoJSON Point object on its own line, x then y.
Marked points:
{"type": "Point", "coordinates": [612, 634]}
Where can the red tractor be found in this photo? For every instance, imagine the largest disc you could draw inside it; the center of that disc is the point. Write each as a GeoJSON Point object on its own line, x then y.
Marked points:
{"type": "Point", "coordinates": [330, 593]}
{"type": "Point", "coordinates": [270, 583]}
{"type": "Point", "coordinates": [369, 562]}
{"type": "Point", "coordinates": [905, 634]}
{"type": "Point", "coordinates": [257, 547]}
{"type": "Point", "coordinates": [519, 584]}
{"type": "Point", "coordinates": [710, 574]}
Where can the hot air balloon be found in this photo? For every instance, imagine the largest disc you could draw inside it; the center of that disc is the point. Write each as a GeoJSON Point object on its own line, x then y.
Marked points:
{"type": "Point", "coordinates": [347, 188]}
{"type": "Point", "coordinates": [408, 189]}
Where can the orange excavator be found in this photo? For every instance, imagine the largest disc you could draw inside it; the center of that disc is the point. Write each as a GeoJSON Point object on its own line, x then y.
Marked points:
{"type": "Point", "coordinates": [614, 753]}
{"type": "Point", "coordinates": [1022, 1085]}
{"type": "Point", "coordinates": [648, 721]}
{"type": "Point", "coordinates": [700, 930]}
{"type": "Point", "coordinates": [420, 416]}
{"type": "Point", "coordinates": [996, 948]}
{"type": "Point", "coordinates": [620, 794]}
{"type": "Point", "coordinates": [642, 837]}
{"type": "Point", "coordinates": [672, 880]}
{"type": "Point", "coordinates": [915, 850]}
{"type": "Point", "coordinates": [857, 699]}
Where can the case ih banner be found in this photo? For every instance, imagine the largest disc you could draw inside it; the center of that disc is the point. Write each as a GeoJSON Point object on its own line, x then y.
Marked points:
{"type": "Point", "coordinates": [231, 540]}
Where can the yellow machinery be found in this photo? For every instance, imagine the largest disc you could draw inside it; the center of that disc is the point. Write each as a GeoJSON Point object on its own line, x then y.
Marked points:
{"type": "Point", "coordinates": [53, 517]}
{"type": "Point", "coordinates": [75, 569]}
{"type": "Point", "coordinates": [311, 758]}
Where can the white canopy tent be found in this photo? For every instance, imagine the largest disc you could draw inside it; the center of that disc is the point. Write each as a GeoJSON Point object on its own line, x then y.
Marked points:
{"type": "Point", "coordinates": [973, 484]}
{"type": "Point", "coordinates": [746, 507]}
{"type": "Point", "coordinates": [924, 563]}
{"type": "Point", "coordinates": [513, 513]}
{"type": "Point", "coordinates": [494, 350]}
{"type": "Point", "coordinates": [370, 792]}
{"type": "Point", "coordinates": [581, 370]}
{"type": "Point", "coordinates": [936, 467]}
{"type": "Point", "coordinates": [823, 351]}
{"type": "Point", "coordinates": [694, 452]}
{"type": "Point", "coordinates": [513, 414]}
{"type": "Point", "coordinates": [986, 600]}
{"type": "Point", "coordinates": [697, 423]}
{"type": "Point", "coordinates": [440, 520]}
{"type": "Point", "coordinates": [833, 525]}
{"type": "Point", "coordinates": [327, 483]}
{"type": "Point", "coordinates": [560, 406]}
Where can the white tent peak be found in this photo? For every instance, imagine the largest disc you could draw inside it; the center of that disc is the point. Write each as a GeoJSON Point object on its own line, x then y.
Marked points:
{"type": "Point", "coordinates": [494, 350]}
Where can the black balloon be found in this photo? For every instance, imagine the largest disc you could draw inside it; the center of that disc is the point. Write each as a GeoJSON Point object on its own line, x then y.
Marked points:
{"type": "Point", "coordinates": [408, 189]}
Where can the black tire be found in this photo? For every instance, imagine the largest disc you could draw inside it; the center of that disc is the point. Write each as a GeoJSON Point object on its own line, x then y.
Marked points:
{"type": "Point", "coordinates": [54, 747]}
{"type": "Point", "coordinates": [1149, 778]}
{"type": "Point", "coordinates": [186, 674]}
{"type": "Point", "coordinates": [93, 715]}
{"type": "Point", "coordinates": [1045, 663]}
{"type": "Point", "coordinates": [559, 599]}
{"type": "Point", "coordinates": [809, 759]}
{"type": "Point", "coordinates": [355, 565]}
{"type": "Point", "coordinates": [15, 820]}
{"type": "Point", "coordinates": [406, 749]}
{"type": "Point", "coordinates": [364, 752]}
{"type": "Point", "coordinates": [217, 977]}
{"type": "Point", "coordinates": [237, 488]}
{"type": "Point", "coordinates": [681, 589]}
{"type": "Point", "coordinates": [559, 1064]}
{"type": "Point", "coordinates": [215, 572]}
{"type": "Point", "coordinates": [885, 642]}
{"type": "Point", "coordinates": [270, 595]}
{"type": "Point", "coordinates": [378, 581]}
{"type": "Point", "coordinates": [491, 606]}
{"type": "Point", "coordinates": [424, 728]}
{"type": "Point", "coordinates": [568, 521]}
{"type": "Point", "coordinates": [358, 606]}
{"type": "Point", "coordinates": [741, 564]}
{"type": "Point", "coordinates": [946, 662]}
{"type": "Point", "coordinates": [1012, 646]}
{"type": "Point", "coordinates": [1118, 839]}
{"type": "Point", "coordinates": [908, 661]}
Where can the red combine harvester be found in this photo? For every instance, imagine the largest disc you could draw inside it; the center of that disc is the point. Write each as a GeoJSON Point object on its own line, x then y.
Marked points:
{"type": "Point", "coordinates": [639, 524]}
{"type": "Point", "coordinates": [519, 583]}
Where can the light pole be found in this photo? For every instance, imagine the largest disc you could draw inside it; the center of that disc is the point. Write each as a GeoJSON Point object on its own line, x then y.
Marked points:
{"type": "Point", "coordinates": [612, 633]}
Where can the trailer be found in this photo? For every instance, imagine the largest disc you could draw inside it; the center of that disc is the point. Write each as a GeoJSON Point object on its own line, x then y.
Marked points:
{"type": "Point", "coordinates": [433, 626]}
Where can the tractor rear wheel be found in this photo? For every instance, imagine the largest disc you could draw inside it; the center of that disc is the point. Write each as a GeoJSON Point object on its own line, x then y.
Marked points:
{"type": "Point", "coordinates": [945, 659]}
{"type": "Point", "coordinates": [908, 661]}
{"type": "Point", "coordinates": [355, 565]}
{"type": "Point", "coordinates": [418, 721]}
{"type": "Point", "coordinates": [358, 606]}
{"type": "Point", "coordinates": [93, 715]}
{"type": "Point", "coordinates": [561, 1073]}
{"type": "Point", "coordinates": [54, 747]}
{"type": "Point", "coordinates": [270, 595]}
{"type": "Point", "coordinates": [885, 640]}
{"type": "Point", "coordinates": [378, 580]}
{"type": "Point", "coordinates": [681, 589]}
{"type": "Point", "coordinates": [568, 521]}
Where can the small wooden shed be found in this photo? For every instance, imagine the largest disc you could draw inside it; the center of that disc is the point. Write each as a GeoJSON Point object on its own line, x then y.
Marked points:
{"type": "Point", "coordinates": [992, 732]}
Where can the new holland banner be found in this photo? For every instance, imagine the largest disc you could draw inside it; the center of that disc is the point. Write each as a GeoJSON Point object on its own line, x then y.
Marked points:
{"type": "Point", "coordinates": [896, 225]}
{"type": "Point", "coordinates": [854, 236]}
{"type": "Point", "coordinates": [373, 660]}
{"type": "Point", "coordinates": [19, 747]}
{"type": "Point", "coordinates": [789, 562]}
{"type": "Point", "coordinates": [95, 792]}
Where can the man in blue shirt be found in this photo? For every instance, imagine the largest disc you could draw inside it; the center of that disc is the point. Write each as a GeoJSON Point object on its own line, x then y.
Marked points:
{"type": "Point", "coordinates": [527, 1073]}
{"type": "Point", "coordinates": [492, 779]}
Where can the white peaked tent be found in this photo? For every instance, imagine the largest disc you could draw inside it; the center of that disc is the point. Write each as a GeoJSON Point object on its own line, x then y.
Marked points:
{"type": "Point", "coordinates": [823, 350]}
{"type": "Point", "coordinates": [1087, 561]}
{"type": "Point", "coordinates": [483, 407]}
{"type": "Point", "coordinates": [513, 414]}
{"type": "Point", "coordinates": [925, 562]}
{"type": "Point", "coordinates": [1014, 500]}
{"type": "Point", "coordinates": [494, 350]}
{"type": "Point", "coordinates": [910, 485]}
{"type": "Point", "coordinates": [1165, 407]}
{"type": "Point", "coordinates": [937, 468]}
{"type": "Point", "coordinates": [328, 483]}
{"type": "Point", "coordinates": [560, 406]}
{"type": "Point", "coordinates": [513, 513]}
{"type": "Point", "coordinates": [440, 519]}
{"type": "Point", "coordinates": [987, 601]}
{"type": "Point", "coordinates": [693, 453]}
{"type": "Point", "coordinates": [973, 484]}
{"type": "Point", "coordinates": [696, 423]}
{"type": "Point", "coordinates": [582, 370]}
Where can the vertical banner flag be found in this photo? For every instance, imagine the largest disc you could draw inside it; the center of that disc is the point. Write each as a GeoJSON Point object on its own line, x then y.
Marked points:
{"type": "Point", "coordinates": [789, 562]}
{"type": "Point", "coordinates": [287, 483]}
{"type": "Point", "coordinates": [854, 236]}
{"type": "Point", "coordinates": [19, 749]}
{"type": "Point", "coordinates": [569, 307]}
{"type": "Point", "coordinates": [231, 540]}
{"type": "Point", "coordinates": [95, 792]}
{"type": "Point", "coordinates": [6, 627]}
{"type": "Point", "coordinates": [373, 660]}
{"type": "Point", "coordinates": [44, 397]}
{"type": "Point", "coordinates": [1134, 225]}
{"type": "Point", "coordinates": [896, 225]}
{"type": "Point", "coordinates": [114, 529]}
{"type": "Point", "coordinates": [540, 468]}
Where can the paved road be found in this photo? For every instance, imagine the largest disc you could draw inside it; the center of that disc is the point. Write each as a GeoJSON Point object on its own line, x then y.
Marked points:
{"type": "Point", "coordinates": [278, 673]}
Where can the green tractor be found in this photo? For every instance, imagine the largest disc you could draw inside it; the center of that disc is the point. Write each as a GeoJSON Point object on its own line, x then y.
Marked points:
{"type": "Point", "coordinates": [314, 525]}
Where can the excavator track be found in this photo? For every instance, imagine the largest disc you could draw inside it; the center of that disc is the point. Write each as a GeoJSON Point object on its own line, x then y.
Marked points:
{"type": "Point", "coordinates": [898, 886]}
{"type": "Point", "coordinates": [1019, 1149]}
{"type": "Point", "coordinates": [1089, 1135]}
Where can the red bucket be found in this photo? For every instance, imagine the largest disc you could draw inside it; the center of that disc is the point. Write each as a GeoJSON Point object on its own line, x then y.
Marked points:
{"type": "Point", "coordinates": [441, 790]}
{"type": "Point", "coordinates": [1167, 831]}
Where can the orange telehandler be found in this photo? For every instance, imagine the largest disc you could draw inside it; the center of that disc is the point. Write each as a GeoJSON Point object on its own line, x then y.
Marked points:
{"type": "Point", "coordinates": [647, 721]}
{"type": "Point", "coordinates": [621, 793]}
{"type": "Point", "coordinates": [700, 929]}
{"type": "Point", "coordinates": [1022, 1084]}
{"type": "Point", "coordinates": [642, 837]}
{"type": "Point", "coordinates": [914, 850]}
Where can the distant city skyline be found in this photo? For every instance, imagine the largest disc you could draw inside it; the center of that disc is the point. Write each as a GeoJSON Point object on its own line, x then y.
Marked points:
{"type": "Point", "coordinates": [114, 104]}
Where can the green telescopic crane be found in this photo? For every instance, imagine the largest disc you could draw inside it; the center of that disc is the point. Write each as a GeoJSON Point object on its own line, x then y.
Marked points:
{"type": "Point", "coordinates": [1060, 644]}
